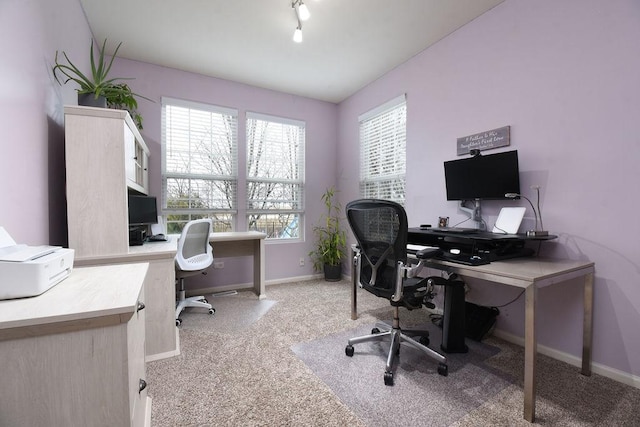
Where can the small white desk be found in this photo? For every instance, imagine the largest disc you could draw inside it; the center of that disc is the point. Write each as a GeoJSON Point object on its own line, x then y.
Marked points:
{"type": "Point", "coordinates": [529, 274]}
{"type": "Point", "coordinates": [243, 243]}
{"type": "Point", "coordinates": [225, 245]}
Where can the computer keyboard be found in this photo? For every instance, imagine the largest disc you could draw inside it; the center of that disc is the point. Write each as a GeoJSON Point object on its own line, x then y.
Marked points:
{"type": "Point", "coordinates": [456, 230]}
{"type": "Point", "coordinates": [465, 259]}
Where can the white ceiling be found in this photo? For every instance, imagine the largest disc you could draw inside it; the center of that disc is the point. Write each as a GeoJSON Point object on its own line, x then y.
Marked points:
{"type": "Point", "coordinates": [347, 43]}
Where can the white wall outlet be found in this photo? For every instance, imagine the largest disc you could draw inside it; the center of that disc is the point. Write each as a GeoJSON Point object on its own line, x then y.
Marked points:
{"type": "Point", "coordinates": [301, 261]}
{"type": "Point", "coordinates": [218, 264]}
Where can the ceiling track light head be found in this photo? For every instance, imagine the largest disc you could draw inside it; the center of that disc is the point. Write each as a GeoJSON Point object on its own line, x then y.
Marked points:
{"type": "Point", "coordinates": [297, 34]}
{"type": "Point", "coordinates": [302, 11]}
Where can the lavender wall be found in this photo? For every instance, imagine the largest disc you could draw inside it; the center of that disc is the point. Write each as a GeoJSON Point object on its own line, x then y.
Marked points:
{"type": "Point", "coordinates": [32, 206]}
{"type": "Point", "coordinates": [320, 169]}
{"type": "Point", "coordinates": [565, 77]}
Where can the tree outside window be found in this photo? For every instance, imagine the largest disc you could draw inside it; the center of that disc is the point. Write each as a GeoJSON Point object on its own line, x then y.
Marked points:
{"type": "Point", "coordinates": [199, 170]}
{"type": "Point", "coordinates": [275, 175]}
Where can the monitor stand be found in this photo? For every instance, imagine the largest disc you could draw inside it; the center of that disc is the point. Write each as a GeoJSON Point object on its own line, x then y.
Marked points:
{"type": "Point", "coordinates": [474, 213]}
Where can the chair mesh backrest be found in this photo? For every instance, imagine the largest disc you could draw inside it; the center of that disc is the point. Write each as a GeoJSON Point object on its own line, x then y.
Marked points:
{"type": "Point", "coordinates": [194, 246]}
{"type": "Point", "coordinates": [380, 228]}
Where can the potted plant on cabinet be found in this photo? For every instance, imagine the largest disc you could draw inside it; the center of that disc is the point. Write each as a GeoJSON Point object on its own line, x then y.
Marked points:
{"type": "Point", "coordinates": [97, 89]}
{"type": "Point", "coordinates": [330, 239]}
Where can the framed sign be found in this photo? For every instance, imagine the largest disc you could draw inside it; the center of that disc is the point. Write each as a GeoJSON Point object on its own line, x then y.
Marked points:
{"type": "Point", "coordinates": [484, 140]}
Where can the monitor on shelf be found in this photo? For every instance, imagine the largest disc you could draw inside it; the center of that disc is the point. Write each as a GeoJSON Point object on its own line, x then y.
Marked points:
{"type": "Point", "coordinates": [142, 210]}
{"type": "Point", "coordinates": [482, 177]}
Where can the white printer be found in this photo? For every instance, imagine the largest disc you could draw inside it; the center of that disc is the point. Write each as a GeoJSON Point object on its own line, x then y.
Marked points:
{"type": "Point", "coordinates": [27, 271]}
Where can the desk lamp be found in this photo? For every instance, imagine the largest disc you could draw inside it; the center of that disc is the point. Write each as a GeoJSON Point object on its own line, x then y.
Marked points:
{"type": "Point", "coordinates": [536, 214]}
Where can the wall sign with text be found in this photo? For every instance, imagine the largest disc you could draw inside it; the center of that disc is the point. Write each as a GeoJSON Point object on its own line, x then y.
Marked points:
{"type": "Point", "coordinates": [484, 140]}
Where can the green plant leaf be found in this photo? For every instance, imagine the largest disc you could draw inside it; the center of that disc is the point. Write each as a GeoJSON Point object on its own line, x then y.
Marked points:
{"type": "Point", "coordinates": [118, 95]}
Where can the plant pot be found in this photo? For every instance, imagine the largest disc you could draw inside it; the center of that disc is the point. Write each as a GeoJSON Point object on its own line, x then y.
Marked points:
{"type": "Point", "coordinates": [89, 100]}
{"type": "Point", "coordinates": [332, 273]}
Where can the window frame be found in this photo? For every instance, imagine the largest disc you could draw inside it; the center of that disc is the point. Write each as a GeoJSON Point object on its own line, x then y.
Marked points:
{"type": "Point", "coordinates": [252, 179]}
{"type": "Point", "coordinates": [195, 213]}
{"type": "Point", "coordinates": [383, 143]}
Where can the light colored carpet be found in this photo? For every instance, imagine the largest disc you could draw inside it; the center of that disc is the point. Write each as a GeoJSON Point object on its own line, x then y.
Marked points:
{"type": "Point", "coordinates": [237, 368]}
{"type": "Point", "coordinates": [434, 400]}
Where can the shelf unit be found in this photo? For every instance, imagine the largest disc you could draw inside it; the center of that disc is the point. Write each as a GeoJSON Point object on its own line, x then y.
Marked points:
{"type": "Point", "coordinates": [106, 158]}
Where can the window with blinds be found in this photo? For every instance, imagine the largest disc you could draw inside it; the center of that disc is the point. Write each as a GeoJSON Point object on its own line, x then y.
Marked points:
{"type": "Point", "coordinates": [199, 164]}
{"type": "Point", "coordinates": [383, 154]}
{"type": "Point", "coordinates": [275, 176]}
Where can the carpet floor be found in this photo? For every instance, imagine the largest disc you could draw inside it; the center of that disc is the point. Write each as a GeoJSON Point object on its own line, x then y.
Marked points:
{"type": "Point", "coordinates": [281, 362]}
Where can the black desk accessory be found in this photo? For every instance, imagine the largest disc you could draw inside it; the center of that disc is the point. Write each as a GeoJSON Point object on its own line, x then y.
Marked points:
{"type": "Point", "coordinates": [475, 247]}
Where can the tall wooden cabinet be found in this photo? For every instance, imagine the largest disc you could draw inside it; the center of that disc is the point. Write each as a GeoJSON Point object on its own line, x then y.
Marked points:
{"type": "Point", "coordinates": [105, 157]}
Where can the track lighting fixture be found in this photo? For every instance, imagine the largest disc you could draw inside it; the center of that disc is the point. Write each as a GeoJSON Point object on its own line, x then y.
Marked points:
{"type": "Point", "coordinates": [302, 14]}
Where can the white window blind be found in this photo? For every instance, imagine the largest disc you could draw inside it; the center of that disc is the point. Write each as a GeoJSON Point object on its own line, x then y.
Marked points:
{"type": "Point", "coordinates": [275, 175]}
{"type": "Point", "coordinates": [199, 164]}
{"type": "Point", "coordinates": [383, 154]}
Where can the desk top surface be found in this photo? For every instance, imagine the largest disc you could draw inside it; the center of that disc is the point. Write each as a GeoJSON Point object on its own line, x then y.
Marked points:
{"type": "Point", "coordinates": [87, 293]}
{"type": "Point", "coordinates": [150, 251]}
{"type": "Point", "coordinates": [520, 271]}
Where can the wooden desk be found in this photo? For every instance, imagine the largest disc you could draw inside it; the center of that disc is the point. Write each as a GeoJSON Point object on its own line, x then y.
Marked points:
{"type": "Point", "coordinates": [529, 274]}
{"type": "Point", "coordinates": [243, 243]}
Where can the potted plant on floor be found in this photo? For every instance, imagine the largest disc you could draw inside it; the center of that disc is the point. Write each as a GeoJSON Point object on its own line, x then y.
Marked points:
{"type": "Point", "coordinates": [330, 240]}
{"type": "Point", "coordinates": [97, 89]}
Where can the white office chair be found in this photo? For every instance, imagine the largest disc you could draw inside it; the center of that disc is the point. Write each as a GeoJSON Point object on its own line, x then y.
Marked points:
{"type": "Point", "coordinates": [194, 256]}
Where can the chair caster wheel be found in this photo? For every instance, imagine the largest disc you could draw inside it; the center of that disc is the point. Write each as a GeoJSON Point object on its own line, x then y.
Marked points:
{"type": "Point", "coordinates": [349, 350]}
{"type": "Point", "coordinates": [204, 300]}
{"type": "Point", "coordinates": [178, 321]}
{"type": "Point", "coordinates": [424, 341]}
{"type": "Point", "coordinates": [443, 369]}
{"type": "Point", "coordinates": [388, 378]}
{"type": "Point", "coordinates": [375, 331]}
{"type": "Point", "coordinates": [212, 311]}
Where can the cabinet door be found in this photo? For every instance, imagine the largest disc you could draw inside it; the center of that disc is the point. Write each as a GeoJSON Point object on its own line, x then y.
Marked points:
{"type": "Point", "coordinates": [137, 371]}
{"type": "Point", "coordinates": [129, 156]}
{"type": "Point", "coordinates": [142, 168]}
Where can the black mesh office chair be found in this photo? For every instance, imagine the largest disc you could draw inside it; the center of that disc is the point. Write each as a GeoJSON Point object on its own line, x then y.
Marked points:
{"type": "Point", "coordinates": [380, 229]}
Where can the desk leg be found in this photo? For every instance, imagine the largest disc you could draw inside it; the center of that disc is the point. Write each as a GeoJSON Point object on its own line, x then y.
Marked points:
{"type": "Point", "coordinates": [354, 287]}
{"type": "Point", "coordinates": [258, 268]}
{"type": "Point", "coordinates": [587, 326]}
{"type": "Point", "coordinates": [530, 350]}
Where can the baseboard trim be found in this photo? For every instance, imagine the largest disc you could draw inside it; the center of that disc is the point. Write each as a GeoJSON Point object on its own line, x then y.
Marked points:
{"type": "Point", "coordinates": [596, 368]}
{"type": "Point", "coordinates": [294, 279]}
{"type": "Point", "coordinates": [249, 286]}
